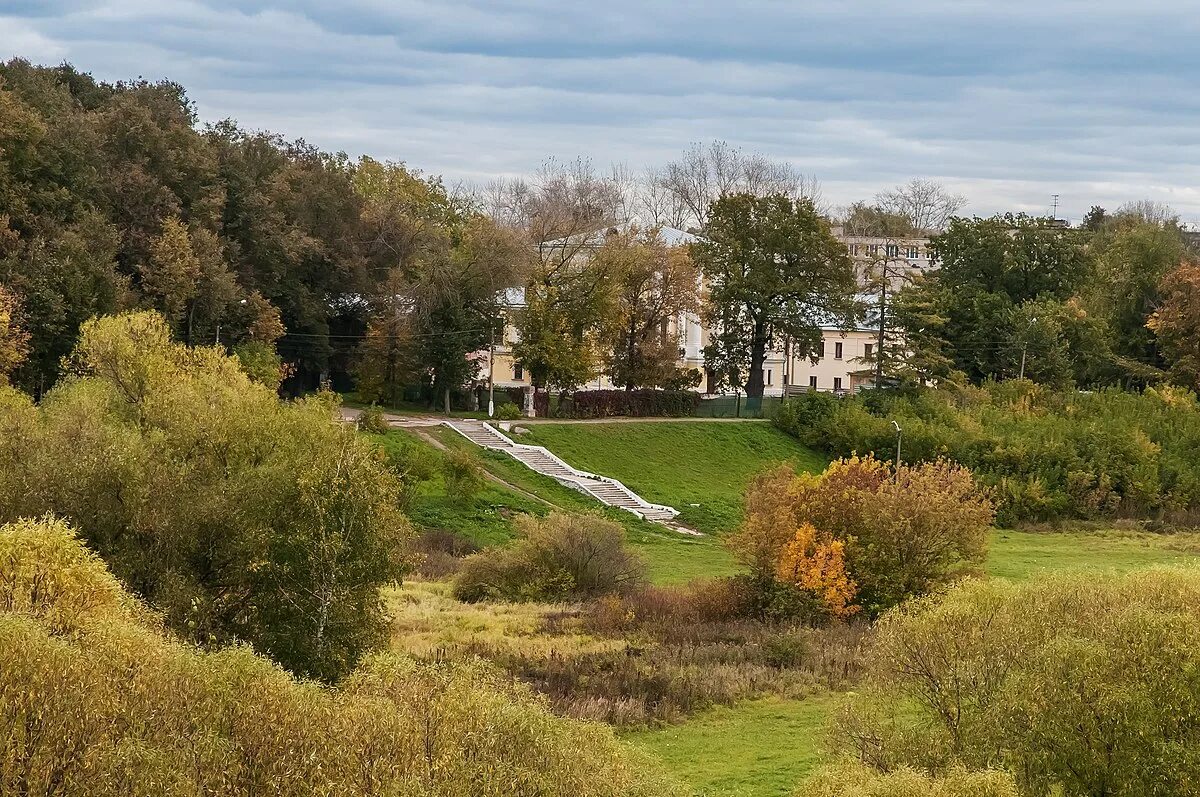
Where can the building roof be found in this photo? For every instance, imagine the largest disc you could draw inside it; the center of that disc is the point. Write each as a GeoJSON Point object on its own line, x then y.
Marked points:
{"type": "Point", "coordinates": [668, 235]}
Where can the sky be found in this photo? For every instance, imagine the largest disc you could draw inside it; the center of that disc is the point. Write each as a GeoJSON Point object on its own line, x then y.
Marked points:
{"type": "Point", "coordinates": [1006, 103]}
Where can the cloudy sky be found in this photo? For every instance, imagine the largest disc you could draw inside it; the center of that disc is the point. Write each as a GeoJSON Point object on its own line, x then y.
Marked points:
{"type": "Point", "coordinates": [1006, 102]}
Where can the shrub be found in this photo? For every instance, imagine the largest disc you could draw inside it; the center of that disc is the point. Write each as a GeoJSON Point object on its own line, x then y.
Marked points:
{"type": "Point", "coordinates": [508, 412]}
{"type": "Point", "coordinates": [858, 781]}
{"type": "Point", "coordinates": [559, 557]}
{"type": "Point", "coordinates": [1078, 685]}
{"type": "Point", "coordinates": [373, 420]}
{"type": "Point", "coordinates": [863, 531]}
{"type": "Point", "coordinates": [1050, 455]}
{"type": "Point", "coordinates": [439, 553]}
{"type": "Point", "coordinates": [117, 709]}
{"type": "Point", "coordinates": [463, 474]}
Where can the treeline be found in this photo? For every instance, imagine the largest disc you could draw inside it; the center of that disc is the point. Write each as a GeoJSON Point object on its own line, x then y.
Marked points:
{"type": "Point", "coordinates": [1047, 454]}
{"type": "Point", "coordinates": [113, 198]}
{"type": "Point", "coordinates": [1111, 303]}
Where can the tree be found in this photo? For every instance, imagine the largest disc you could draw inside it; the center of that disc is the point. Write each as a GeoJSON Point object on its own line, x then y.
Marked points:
{"type": "Point", "coordinates": [14, 340]}
{"type": "Point", "coordinates": [990, 268]}
{"type": "Point", "coordinates": [656, 286]}
{"type": "Point", "coordinates": [872, 221]}
{"type": "Point", "coordinates": [773, 269]}
{"type": "Point", "coordinates": [864, 531]}
{"type": "Point", "coordinates": [705, 173]}
{"type": "Point", "coordinates": [1075, 685]}
{"type": "Point", "coordinates": [926, 206]}
{"type": "Point", "coordinates": [235, 515]}
{"type": "Point", "coordinates": [1095, 219]}
{"type": "Point", "coordinates": [1176, 323]}
{"type": "Point", "coordinates": [1133, 259]}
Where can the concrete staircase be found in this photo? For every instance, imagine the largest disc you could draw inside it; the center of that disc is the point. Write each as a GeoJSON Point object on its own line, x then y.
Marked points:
{"type": "Point", "coordinates": [603, 489]}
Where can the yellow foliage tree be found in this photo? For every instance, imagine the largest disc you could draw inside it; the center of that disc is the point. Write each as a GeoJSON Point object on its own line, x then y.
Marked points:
{"type": "Point", "coordinates": [819, 566]}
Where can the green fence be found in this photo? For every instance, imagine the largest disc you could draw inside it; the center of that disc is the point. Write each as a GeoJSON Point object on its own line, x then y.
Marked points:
{"type": "Point", "coordinates": [738, 407]}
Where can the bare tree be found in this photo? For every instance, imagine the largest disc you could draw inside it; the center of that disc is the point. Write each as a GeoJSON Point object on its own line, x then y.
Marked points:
{"type": "Point", "coordinates": [1150, 212]}
{"type": "Point", "coordinates": [658, 205]}
{"type": "Point", "coordinates": [927, 205]}
{"type": "Point", "coordinates": [706, 172]}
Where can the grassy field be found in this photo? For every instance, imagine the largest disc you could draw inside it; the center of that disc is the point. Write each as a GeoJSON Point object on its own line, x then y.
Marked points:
{"type": "Point", "coordinates": [1021, 554]}
{"type": "Point", "coordinates": [757, 749]}
{"type": "Point", "coordinates": [699, 468]}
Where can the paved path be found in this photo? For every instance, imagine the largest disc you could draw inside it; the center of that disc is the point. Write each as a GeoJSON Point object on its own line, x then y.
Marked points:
{"type": "Point", "coordinates": [605, 490]}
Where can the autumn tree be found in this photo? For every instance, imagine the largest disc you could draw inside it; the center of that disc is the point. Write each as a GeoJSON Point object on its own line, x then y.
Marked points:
{"type": "Point", "coordinates": [14, 340]}
{"type": "Point", "coordinates": [772, 269]}
{"type": "Point", "coordinates": [237, 516]}
{"type": "Point", "coordinates": [1176, 322]}
{"type": "Point", "coordinates": [865, 531]}
{"type": "Point", "coordinates": [655, 286]}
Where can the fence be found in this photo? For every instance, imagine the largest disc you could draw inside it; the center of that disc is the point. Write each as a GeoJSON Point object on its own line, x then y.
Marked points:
{"type": "Point", "coordinates": [738, 407]}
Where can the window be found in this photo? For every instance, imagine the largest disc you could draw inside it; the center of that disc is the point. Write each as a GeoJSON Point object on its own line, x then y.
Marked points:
{"type": "Point", "coordinates": [812, 383]}
{"type": "Point", "coordinates": [854, 250]}
{"type": "Point", "coordinates": [912, 253]}
{"type": "Point", "coordinates": [867, 348]}
{"type": "Point", "coordinates": [820, 350]}
{"type": "Point", "coordinates": [837, 350]}
{"type": "Point", "coordinates": [893, 250]}
{"type": "Point", "coordinates": [873, 249]}
{"type": "Point", "coordinates": [837, 384]}
{"type": "Point", "coordinates": [518, 372]}
{"type": "Point", "coordinates": [768, 376]}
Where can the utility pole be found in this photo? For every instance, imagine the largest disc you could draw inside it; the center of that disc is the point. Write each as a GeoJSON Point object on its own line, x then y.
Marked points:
{"type": "Point", "coordinates": [1025, 343]}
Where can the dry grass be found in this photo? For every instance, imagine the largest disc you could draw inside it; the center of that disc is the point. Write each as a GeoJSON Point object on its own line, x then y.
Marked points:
{"type": "Point", "coordinates": [427, 621]}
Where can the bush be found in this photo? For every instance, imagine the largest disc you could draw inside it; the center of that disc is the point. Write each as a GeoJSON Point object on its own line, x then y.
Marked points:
{"type": "Point", "coordinates": [1049, 455]}
{"type": "Point", "coordinates": [509, 412]}
{"type": "Point", "coordinates": [634, 403]}
{"type": "Point", "coordinates": [1077, 685]}
{"type": "Point", "coordinates": [373, 420]}
{"type": "Point", "coordinates": [113, 708]}
{"type": "Point", "coordinates": [559, 557]}
{"type": "Point", "coordinates": [463, 474]}
{"type": "Point", "coordinates": [863, 531]}
{"type": "Point", "coordinates": [859, 781]}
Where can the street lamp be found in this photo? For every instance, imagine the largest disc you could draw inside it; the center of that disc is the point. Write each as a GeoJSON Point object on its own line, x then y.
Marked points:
{"type": "Point", "coordinates": [896, 426]}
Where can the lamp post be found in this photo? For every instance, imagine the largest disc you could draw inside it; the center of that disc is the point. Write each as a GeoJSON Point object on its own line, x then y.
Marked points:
{"type": "Point", "coordinates": [896, 426]}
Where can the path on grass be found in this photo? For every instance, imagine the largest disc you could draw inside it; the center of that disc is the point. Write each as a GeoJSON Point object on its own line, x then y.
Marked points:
{"type": "Point", "coordinates": [537, 458]}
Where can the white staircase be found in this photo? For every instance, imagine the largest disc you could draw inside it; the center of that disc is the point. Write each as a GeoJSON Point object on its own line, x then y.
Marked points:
{"type": "Point", "coordinates": [603, 489]}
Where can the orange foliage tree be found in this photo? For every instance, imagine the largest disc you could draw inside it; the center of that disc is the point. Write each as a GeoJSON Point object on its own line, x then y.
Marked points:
{"type": "Point", "coordinates": [1176, 322]}
{"type": "Point", "coordinates": [863, 531]}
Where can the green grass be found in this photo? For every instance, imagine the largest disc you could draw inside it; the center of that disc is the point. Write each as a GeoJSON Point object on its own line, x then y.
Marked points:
{"type": "Point", "coordinates": [487, 519]}
{"type": "Point", "coordinates": [1022, 554]}
{"type": "Point", "coordinates": [761, 748]}
{"type": "Point", "coordinates": [699, 468]}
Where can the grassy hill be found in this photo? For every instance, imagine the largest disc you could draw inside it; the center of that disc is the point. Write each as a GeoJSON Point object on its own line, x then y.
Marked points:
{"type": "Point", "coordinates": [700, 468]}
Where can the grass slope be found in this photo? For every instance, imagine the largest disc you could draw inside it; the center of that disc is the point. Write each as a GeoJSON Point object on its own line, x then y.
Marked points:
{"type": "Point", "coordinates": [699, 468]}
{"type": "Point", "coordinates": [672, 558]}
{"type": "Point", "coordinates": [761, 748]}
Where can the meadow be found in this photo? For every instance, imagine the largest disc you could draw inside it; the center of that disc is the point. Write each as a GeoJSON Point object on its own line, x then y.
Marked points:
{"type": "Point", "coordinates": [749, 748]}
